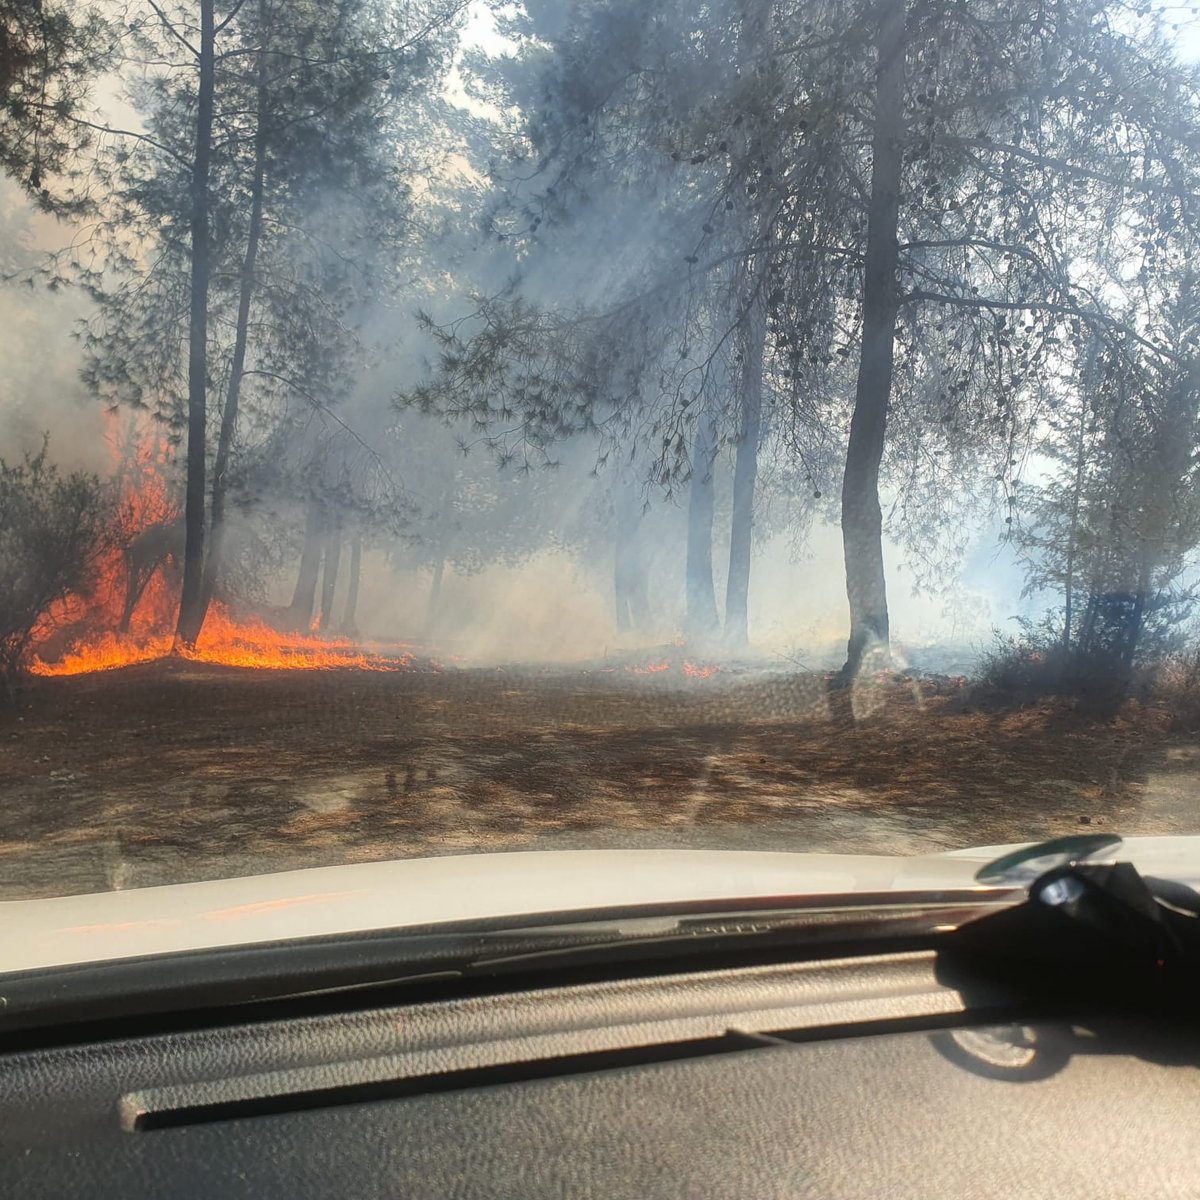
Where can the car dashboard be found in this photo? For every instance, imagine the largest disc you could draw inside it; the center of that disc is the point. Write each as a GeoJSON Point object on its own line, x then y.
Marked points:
{"type": "Point", "coordinates": [864, 1075]}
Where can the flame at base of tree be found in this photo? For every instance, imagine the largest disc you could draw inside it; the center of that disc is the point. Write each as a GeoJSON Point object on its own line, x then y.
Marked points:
{"type": "Point", "coordinates": [128, 615]}
{"type": "Point", "coordinates": [226, 642]}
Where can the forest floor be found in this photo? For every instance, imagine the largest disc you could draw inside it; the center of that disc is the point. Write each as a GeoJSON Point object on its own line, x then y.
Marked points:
{"type": "Point", "coordinates": [172, 771]}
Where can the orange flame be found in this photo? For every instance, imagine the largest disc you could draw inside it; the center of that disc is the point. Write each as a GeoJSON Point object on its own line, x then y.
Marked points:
{"type": "Point", "coordinates": [231, 643]}
{"type": "Point", "coordinates": [690, 669]}
{"type": "Point", "coordinates": [651, 668]}
{"type": "Point", "coordinates": [80, 634]}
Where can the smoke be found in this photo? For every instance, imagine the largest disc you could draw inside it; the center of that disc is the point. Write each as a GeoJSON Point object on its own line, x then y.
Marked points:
{"type": "Point", "coordinates": [40, 390]}
{"type": "Point", "coordinates": [548, 603]}
{"type": "Point", "coordinates": [527, 563]}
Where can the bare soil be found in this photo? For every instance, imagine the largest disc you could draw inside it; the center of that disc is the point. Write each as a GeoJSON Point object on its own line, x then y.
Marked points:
{"type": "Point", "coordinates": [171, 771]}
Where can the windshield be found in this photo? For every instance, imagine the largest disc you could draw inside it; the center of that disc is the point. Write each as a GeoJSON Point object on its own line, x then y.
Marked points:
{"type": "Point", "coordinates": [439, 427]}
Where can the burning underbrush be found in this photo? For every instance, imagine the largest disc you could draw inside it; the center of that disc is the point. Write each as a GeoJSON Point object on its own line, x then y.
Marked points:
{"type": "Point", "coordinates": [229, 642]}
{"type": "Point", "coordinates": [127, 614]}
{"type": "Point", "coordinates": [680, 666]}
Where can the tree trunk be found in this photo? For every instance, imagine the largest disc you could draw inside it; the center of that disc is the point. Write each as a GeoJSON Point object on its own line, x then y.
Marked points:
{"type": "Point", "coordinates": [333, 559]}
{"type": "Point", "coordinates": [629, 563]}
{"type": "Point", "coordinates": [701, 620]}
{"type": "Point", "coordinates": [304, 597]}
{"type": "Point", "coordinates": [1073, 534]}
{"type": "Point", "coordinates": [745, 475]}
{"type": "Point", "coordinates": [143, 556]}
{"type": "Point", "coordinates": [229, 415]}
{"type": "Point", "coordinates": [191, 614]}
{"type": "Point", "coordinates": [862, 516]}
{"type": "Point", "coordinates": [639, 595]}
{"type": "Point", "coordinates": [1137, 618]}
{"type": "Point", "coordinates": [435, 595]}
{"type": "Point", "coordinates": [624, 617]}
{"type": "Point", "coordinates": [1087, 637]}
{"type": "Point", "coordinates": [135, 586]}
{"type": "Point", "coordinates": [1089, 380]}
{"type": "Point", "coordinates": [350, 614]}
{"type": "Point", "coordinates": [748, 288]}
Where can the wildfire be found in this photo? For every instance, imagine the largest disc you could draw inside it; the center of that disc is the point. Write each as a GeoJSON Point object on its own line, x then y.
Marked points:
{"type": "Point", "coordinates": [231, 643]}
{"type": "Point", "coordinates": [106, 651]}
{"type": "Point", "coordinates": [690, 669]}
{"type": "Point", "coordinates": [129, 615]}
{"type": "Point", "coordinates": [651, 669]}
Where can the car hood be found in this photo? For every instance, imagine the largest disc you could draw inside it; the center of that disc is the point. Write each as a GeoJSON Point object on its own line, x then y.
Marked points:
{"type": "Point", "coordinates": [421, 892]}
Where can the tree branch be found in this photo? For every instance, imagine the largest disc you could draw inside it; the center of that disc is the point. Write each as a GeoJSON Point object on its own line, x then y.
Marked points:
{"type": "Point", "coordinates": [1064, 166]}
{"type": "Point", "coordinates": [233, 12]}
{"type": "Point", "coordinates": [306, 395]}
{"type": "Point", "coordinates": [170, 28]}
{"type": "Point", "coordinates": [1059, 308]}
{"type": "Point", "coordinates": [115, 132]}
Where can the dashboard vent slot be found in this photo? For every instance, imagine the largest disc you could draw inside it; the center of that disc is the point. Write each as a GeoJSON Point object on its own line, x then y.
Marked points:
{"type": "Point", "coordinates": [145, 1118]}
{"type": "Point", "coordinates": [171, 1108]}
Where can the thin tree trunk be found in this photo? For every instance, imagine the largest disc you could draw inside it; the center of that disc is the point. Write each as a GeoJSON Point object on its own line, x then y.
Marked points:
{"type": "Point", "coordinates": [304, 597]}
{"type": "Point", "coordinates": [701, 621]}
{"type": "Point", "coordinates": [136, 582]}
{"type": "Point", "coordinates": [624, 615]}
{"type": "Point", "coordinates": [333, 559]}
{"type": "Point", "coordinates": [1077, 496]}
{"type": "Point", "coordinates": [862, 516]}
{"type": "Point", "coordinates": [350, 614]}
{"type": "Point", "coordinates": [191, 614]}
{"type": "Point", "coordinates": [1087, 637]}
{"type": "Point", "coordinates": [435, 595]}
{"type": "Point", "coordinates": [639, 595]}
{"type": "Point", "coordinates": [749, 283]}
{"type": "Point", "coordinates": [625, 557]}
{"type": "Point", "coordinates": [229, 415]}
{"type": "Point", "coordinates": [1076, 499]}
{"type": "Point", "coordinates": [745, 475]}
{"type": "Point", "coordinates": [1133, 632]}
{"type": "Point", "coordinates": [143, 556]}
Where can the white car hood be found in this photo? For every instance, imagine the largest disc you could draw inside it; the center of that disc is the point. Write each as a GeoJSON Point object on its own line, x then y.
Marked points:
{"type": "Point", "coordinates": [426, 891]}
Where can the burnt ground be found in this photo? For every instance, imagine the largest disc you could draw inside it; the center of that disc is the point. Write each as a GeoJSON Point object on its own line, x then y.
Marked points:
{"type": "Point", "coordinates": [173, 771]}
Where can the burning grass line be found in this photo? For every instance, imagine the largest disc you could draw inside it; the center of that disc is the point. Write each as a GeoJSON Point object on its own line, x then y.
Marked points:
{"type": "Point", "coordinates": [226, 642]}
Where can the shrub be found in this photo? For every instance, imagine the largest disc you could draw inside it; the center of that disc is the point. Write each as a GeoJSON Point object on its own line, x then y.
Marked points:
{"type": "Point", "coordinates": [1035, 665]}
{"type": "Point", "coordinates": [1173, 684]}
{"type": "Point", "coordinates": [52, 529]}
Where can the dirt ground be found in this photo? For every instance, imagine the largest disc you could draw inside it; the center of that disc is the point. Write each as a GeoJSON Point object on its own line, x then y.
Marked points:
{"type": "Point", "coordinates": [171, 771]}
